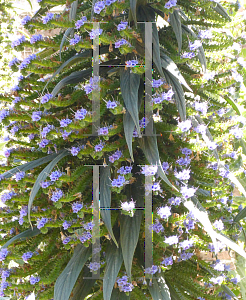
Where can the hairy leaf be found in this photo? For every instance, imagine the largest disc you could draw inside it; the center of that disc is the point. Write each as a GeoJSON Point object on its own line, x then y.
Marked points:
{"type": "Point", "coordinates": [23, 236]}
{"type": "Point", "coordinates": [105, 199]}
{"type": "Point", "coordinates": [176, 25]}
{"type": "Point", "coordinates": [66, 281]}
{"type": "Point", "coordinates": [129, 85]}
{"type": "Point", "coordinates": [114, 261]}
{"type": "Point", "coordinates": [42, 176]}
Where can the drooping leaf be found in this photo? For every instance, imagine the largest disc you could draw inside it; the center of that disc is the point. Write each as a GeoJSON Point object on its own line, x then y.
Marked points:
{"type": "Point", "coordinates": [133, 9]}
{"type": "Point", "coordinates": [81, 76]}
{"type": "Point", "coordinates": [114, 261]}
{"type": "Point", "coordinates": [173, 293]}
{"type": "Point", "coordinates": [67, 279]}
{"type": "Point", "coordinates": [42, 176]}
{"type": "Point", "coordinates": [149, 146]}
{"type": "Point", "coordinates": [176, 25]}
{"type": "Point", "coordinates": [129, 235]}
{"type": "Point", "coordinates": [164, 289]}
{"type": "Point", "coordinates": [105, 199]}
{"type": "Point", "coordinates": [230, 101]}
{"type": "Point", "coordinates": [201, 54]}
{"type": "Point", "coordinates": [84, 285]}
{"type": "Point", "coordinates": [68, 33]}
{"type": "Point", "coordinates": [178, 94]}
{"type": "Point", "coordinates": [154, 290]}
{"type": "Point", "coordinates": [129, 85]}
{"type": "Point", "coordinates": [29, 166]}
{"type": "Point", "coordinates": [241, 271]}
{"type": "Point", "coordinates": [171, 67]}
{"type": "Point", "coordinates": [73, 10]}
{"type": "Point", "coordinates": [228, 291]}
{"type": "Point", "coordinates": [128, 122]}
{"type": "Point", "coordinates": [240, 215]}
{"type": "Point", "coordinates": [220, 10]}
{"type": "Point", "coordinates": [117, 295]}
{"type": "Point", "coordinates": [23, 236]}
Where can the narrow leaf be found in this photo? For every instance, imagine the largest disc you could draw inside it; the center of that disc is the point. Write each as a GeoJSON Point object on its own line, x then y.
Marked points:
{"type": "Point", "coordinates": [129, 85]}
{"type": "Point", "coordinates": [129, 235]}
{"type": "Point", "coordinates": [154, 290]}
{"type": "Point", "coordinates": [230, 101]}
{"type": "Point", "coordinates": [105, 199]}
{"type": "Point", "coordinates": [149, 146]}
{"type": "Point", "coordinates": [128, 122]}
{"type": "Point", "coordinates": [240, 215]}
{"type": "Point", "coordinates": [117, 295]}
{"type": "Point", "coordinates": [114, 261]}
{"type": "Point", "coordinates": [228, 291]}
{"type": "Point", "coordinates": [133, 8]}
{"type": "Point", "coordinates": [221, 11]}
{"type": "Point", "coordinates": [42, 176]}
{"type": "Point", "coordinates": [164, 289]}
{"type": "Point", "coordinates": [66, 281]}
{"type": "Point", "coordinates": [171, 67]}
{"type": "Point", "coordinates": [178, 93]}
{"type": "Point", "coordinates": [73, 10]}
{"type": "Point", "coordinates": [68, 32]}
{"type": "Point", "coordinates": [176, 25]}
{"type": "Point", "coordinates": [29, 166]}
{"type": "Point", "coordinates": [23, 236]}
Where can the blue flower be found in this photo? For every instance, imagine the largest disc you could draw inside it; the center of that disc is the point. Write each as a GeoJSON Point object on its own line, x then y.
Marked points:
{"type": "Point", "coordinates": [35, 38]}
{"type": "Point", "coordinates": [122, 26]}
{"type": "Point", "coordinates": [19, 175]}
{"type": "Point", "coordinates": [99, 6]}
{"type": "Point", "coordinates": [187, 192]}
{"type": "Point", "coordinates": [18, 42]}
{"type": "Point", "coordinates": [183, 175]}
{"type": "Point", "coordinates": [42, 222]}
{"type": "Point", "coordinates": [25, 20]}
{"type": "Point", "coordinates": [80, 114]}
{"type": "Point", "coordinates": [55, 175]}
{"type": "Point", "coordinates": [171, 240]}
{"type": "Point", "coordinates": [170, 4]}
{"type": "Point", "coordinates": [66, 225]}
{"type": "Point", "coordinates": [74, 151]}
{"type": "Point", "coordinates": [36, 116]}
{"type": "Point", "coordinates": [43, 143]}
{"type": "Point", "coordinates": [34, 280]}
{"type": "Point", "coordinates": [27, 255]}
{"type": "Point", "coordinates": [185, 125]}
{"type": "Point", "coordinates": [48, 18]}
{"type": "Point", "coordinates": [98, 147]}
{"type": "Point", "coordinates": [75, 40]}
{"type": "Point", "coordinates": [14, 61]}
{"type": "Point", "coordinates": [219, 225]}
{"type": "Point", "coordinates": [131, 63]}
{"type": "Point", "coordinates": [115, 156]}
{"type": "Point", "coordinates": [164, 212]}
{"type": "Point", "coordinates": [77, 206]}
{"type": "Point", "coordinates": [57, 195]}
{"type": "Point", "coordinates": [95, 33]}
{"type": "Point", "coordinates": [111, 104]}
{"type": "Point", "coordinates": [81, 22]}
{"type": "Point", "coordinates": [65, 122]}
{"type": "Point", "coordinates": [168, 261]}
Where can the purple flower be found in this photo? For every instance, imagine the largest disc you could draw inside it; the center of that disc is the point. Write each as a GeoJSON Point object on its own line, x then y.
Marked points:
{"type": "Point", "coordinates": [170, 4]}
{"type": "Point", "coordinates": [98, 147]}
{"type": "Point", "coordinates": [165, 166]}
{"type": "Point", "coordinates": [5, 274]}
{"type": "Point", "coordinates": [128, 206]}
{"type": "Point", "coordinates": [14, 61]}
{"type": "Point", "coordinates": [202, 107]}
{"type": "Point", "coordinates": [16, 100]}
{"type": "Point", "coordinates": [99, 6]}
{"type": "Point", "coordinates": [217, 280]}
{"type": "Point", "coordinates": [187, 244]}
{"type": "Point", "coordinates": [183, 175]}
{"type": "Point", "coordinates": [111, 104]}
{"type": "Point", "coordinates": [186, 151]}
{"type": "Point", "coordinates": [43, 143]}
{"type": "Point", "coordinates": [121, 42]}
{"type": "Point", "coordinates": [211, 145]}
{"type": "Point", "coordinates": [46, 98]}
{"type": "Point", "coordinates": [55, 175]}
{"type": "Point", "coordinates": [218, 266]}
{"type": "Point", "coordinates": [131, 63]}
{"type": "Point", "coordinates": [77, 206]}
{"type": "Point", "coordinates": [201, 129]}
{"type": "Point", "coordinates": [209, 75]}
{"type": "Point", "coordinates": [36, 116]}
{"type": "Point", "coordinates": [152, 270]}
{"type": "Point", "coordinates": [95, 33]}
{"type": "Point", "coordinates": [188, 55]}
{"type": "Point", "coordinates": [118, 182]}
{"type": "Point", "coordinates": [27, 255]}
{"type": "Point", "coordinates": [115, 156]}
{"type": "Point", "coordinates": [185, 125]}
{"type": "Point", "coordinates": [81, 22]}
{"type": "Point", "coordinates": [74, 151]}
{"type": "Point", "coordinates": [122, 26]}
{"type": "Point", "coordinates": [23, 211]}
{"type": "Point", "coordinates": [27, 61]}
{"type": "Point", "coordinates": [19, 175]}
{"type": "Point", "coordinates": [66, 240]}
{"type": "Point", "coordinates": [46, 130]}
{"type": "Point", "coordinates": [75, 40]}
{"type": "Point", "coordinates": [171, 240]}
{"type": "Point", "coordinates": [18, 42]}
{"type": "Point", "coordinates": [66, 225]}
{"type": "Point", "coordinates": [7, 196]}
{"type": "Point", "coordinates": [48, 17]}
{"type": "Point", "coordinates": [25, 20]}
{"type": "Point", "coordinates": [149, 170]}
{"type": "Point", "coordinates": [187, 192]}
{"type": "Point", "coordinates": [3, 114]}
{"type": "Point", "coordinates": [157, 227]}
{"type": "Point", "coordinates": [3, 254]}
{"type": "Point", "coordinates": [57, 195]}
{"type": "Point", "coordinates": [66, 134]}
{"type": "Point", "coordinates": [164, 212]}
{"type": "Point", "coordinates": [124, 170]}
{"type": "Point", "coordinates": [157, 83]}
{"type": "Point", "coordinates": [88, 226]}
{"type": "Point", "coordinates": [205, 34]}
{"type": "Point", "coordinates": [168, 261]}
{"type": "Point", "coordinates": [35, 38]}
{"type": "Point", "coordinates": [34, 280]}
{"type": "Point", "coordinates": [65, 122]}
{"type": "Point", "coordinates": [195, 45]}
{"type": "Point", "coordinates": [234, 280]}
{"type": "Point", "coordinates": [94, 266]}
{"type": "Point", "coordinates": [80, 114]}
{"type": "Point", "coordinates": [219, 225]}
{"type": "Point", "coordinates": [103, 131]}
{"type": "Point", "coordinates": [42, 222]}
{"type": "Point", "coordinates": [237, 132]}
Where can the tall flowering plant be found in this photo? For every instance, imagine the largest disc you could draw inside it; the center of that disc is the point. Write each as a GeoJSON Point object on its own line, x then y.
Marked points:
{"type": "Point", "coordinates": [166, 149]}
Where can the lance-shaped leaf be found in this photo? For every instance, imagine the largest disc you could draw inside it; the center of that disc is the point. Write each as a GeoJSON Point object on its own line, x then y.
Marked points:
{"type": "Point", "coordinates": [128, 122]}
{"type": "Point", "coordinates": [81, 76]}
{"type": "Point", "coordinates": [84, 285]}
{"type": "Point", "coordinates": [42, 176]}
{"type": "Point", "coordinates": [201, 54]}
{"type": "Point", "coordinates": [66, 281]}
{"type": "Point", "coordinates": [154, 290]}
{"type": "Point", "coordinates": [23, 236]}
{"type": "Point", "coordinates": [114, 261]}
{"type": "Point", "coordinates": [105, 199]}
{"type": "Point", "coordinates": [220, 10]}
{"type": "Point", "coordinates": [73, 10]}
{"type": "Point", "coordinates": [29, 166]}
{"type": "Point", "coordinates": [133, 8]}
{"type": "Point", "coordinates": [129, 235]}
{"type": "Point", "coordinates": [117, 295]}
{"type": "Point", "coordinates": [149, 146]}
{"type": "Point", "coordinates": [173, 292]}
{"type": "Point", "coordinates": [228, 291]}
{"type": "Point", "coordinates": [176, 25]}
{"type": "Point", "coordinates": [171, 67]}
{"type": "Point", "coordinates": [129, 85]}
{"type": "Point", "coordinates": [241, 271]}
{"type": "Point", "coordinates": [178, 94]}
{"type": "Point", "coordinates": [68, 33]}
{"type": "Point", "coordinates": [159, 289]}
{"type": "Point", "coordinates": [230, 101]}
{"type": "Point", "coordinates": [240, 215]}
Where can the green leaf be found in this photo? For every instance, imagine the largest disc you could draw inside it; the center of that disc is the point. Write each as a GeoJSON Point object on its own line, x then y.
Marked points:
{"type": "Point", "coordinates": [129, 235]}
{"type": "Point", "coordinates": [42, 176]}
{"type": "Point", "coordinates": [129, 85]}
{"type": "Point", "coordinates": [30, 3]}
{"type": "Point", "coordinates": [154, 290]}
{"type": "Point", "coordinates": [73, 10]}
{"type": "Point", "coordinates": [178, 94]}
{"type": "Point", "coordinates": [240, 215]}
{"type": "Point", "coordinates": [164, 289]}
{"type": "Point", "coordinates": [133, 9]}
{"type": "Point", "coordinates": [201, 54]}
{"type": "Point", "coordinates": [221, 11]}
{"type": "Point", "coordinates": [228, 291]}
{"type": "Point", "coordinates": [114, 261]}
{"type": "Point", "coordinates": [67, 279]}
{"type": "Point", "coordinates": [230, 101]}
{"type": "Point", "coordinates": [240, 270]}
{"type": "Point", "coordinates": [29, 166]}
{"type": "Point", "coordinates": [176, 25]}
{"type": "Point", "coordinates": [23, 236]}
{"type": "Point", "coordinates": [117, 295]}
{"type": "Point", "coordinates": [149, 146]}
{"type": "Point", "coordinates": [105, 199]}
{"type": "Point", "coordinates": [173, 293]}
{"type": "Point", "coordinates": [128, 122]}
{"type": "Point", "coordinates": [83, 286]}
{"type": "Point", "coordinates": [172, 68]}
{"type": "Point", "coordinates": [68, 33]}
